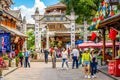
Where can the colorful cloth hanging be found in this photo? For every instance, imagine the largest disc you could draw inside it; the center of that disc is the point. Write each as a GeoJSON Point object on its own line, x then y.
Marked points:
{"type": "Point", "coordinates": [104, 11]}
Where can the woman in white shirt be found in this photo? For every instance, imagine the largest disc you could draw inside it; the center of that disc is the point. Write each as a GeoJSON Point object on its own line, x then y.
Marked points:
{"type": "Point", "coordinates": [64, 58]}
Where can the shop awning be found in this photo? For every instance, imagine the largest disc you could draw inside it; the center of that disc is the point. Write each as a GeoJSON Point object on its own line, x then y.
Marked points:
{"type": "Point", "coordinates": [12, 31]}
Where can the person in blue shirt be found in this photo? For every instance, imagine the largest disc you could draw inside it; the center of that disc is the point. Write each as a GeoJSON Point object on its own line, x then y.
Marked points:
{"type": "Point", "coordinates": [46, 53]}
{"type": "Point", "coordinates": [26, 56]}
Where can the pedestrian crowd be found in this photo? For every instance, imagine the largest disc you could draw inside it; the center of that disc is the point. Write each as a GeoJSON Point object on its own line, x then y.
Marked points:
{"type": "Point", "coordinates": [87, 58]}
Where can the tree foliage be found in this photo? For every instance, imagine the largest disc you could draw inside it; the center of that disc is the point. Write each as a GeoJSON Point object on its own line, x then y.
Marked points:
{"type": "Point", "coordinates": [31, 40]}
{"type": "Point", "coordinates": [82, 8]}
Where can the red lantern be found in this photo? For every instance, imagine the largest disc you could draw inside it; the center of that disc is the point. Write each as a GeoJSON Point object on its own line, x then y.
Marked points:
{"type": "Point", "coordinates": [113, 33]}
{"type": "Point", "coordinates": [93, 36]}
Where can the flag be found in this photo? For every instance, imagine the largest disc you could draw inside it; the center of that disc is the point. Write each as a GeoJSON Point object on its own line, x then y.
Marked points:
{"type": "Point", "coordinates": [113, 33]}
{"type": "Point", "coordinates": [101, 17]}
{"type": "Point", "coordinates": [97, 25]}
{"type": "Point", "coordinates": [93, 36]}
{"type": "Point", "coordinates": [112, 13]}
{"type": "Point", "coordinates": [103, 3]}
{"type": "Point", "coordinates": [94, 19]}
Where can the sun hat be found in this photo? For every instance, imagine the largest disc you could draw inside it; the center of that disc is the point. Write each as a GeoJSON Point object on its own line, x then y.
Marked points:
{"type": "Point", "coordinates": [91, 49]}
{"type": "Point", "coordinates": [86, 49]}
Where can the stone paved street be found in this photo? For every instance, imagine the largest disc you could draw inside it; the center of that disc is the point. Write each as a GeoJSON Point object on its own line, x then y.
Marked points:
{"type": "Point", "coordinates": [42, 71]}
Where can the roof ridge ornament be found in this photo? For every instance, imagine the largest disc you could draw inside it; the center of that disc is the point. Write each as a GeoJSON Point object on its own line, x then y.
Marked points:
{"type": "Point", "coordinates": [37, 10]}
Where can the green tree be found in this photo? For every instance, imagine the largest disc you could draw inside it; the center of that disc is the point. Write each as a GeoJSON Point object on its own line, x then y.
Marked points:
{"type": "Point", "coordinates": [82, 8]}
{"type": "Point", "coordinates": [31, 40]}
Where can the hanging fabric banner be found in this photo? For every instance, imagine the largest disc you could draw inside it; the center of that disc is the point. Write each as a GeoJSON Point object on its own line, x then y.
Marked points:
{"type": "Point", "coordinates": [5, 42]}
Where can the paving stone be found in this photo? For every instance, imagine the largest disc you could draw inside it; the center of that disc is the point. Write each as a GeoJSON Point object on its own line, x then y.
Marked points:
{"type": "Point", "coordinates": [42, 71]}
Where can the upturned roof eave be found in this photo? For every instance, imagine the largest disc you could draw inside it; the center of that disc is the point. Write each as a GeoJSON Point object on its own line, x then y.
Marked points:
{"type": "Point", "coordinates": [109, 20]}
{"type": "Point", "coordinates": [4, 11]}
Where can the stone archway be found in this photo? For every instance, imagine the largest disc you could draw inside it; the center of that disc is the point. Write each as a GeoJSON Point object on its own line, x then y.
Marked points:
{"type": "Point", "coordinates": [58, 24]}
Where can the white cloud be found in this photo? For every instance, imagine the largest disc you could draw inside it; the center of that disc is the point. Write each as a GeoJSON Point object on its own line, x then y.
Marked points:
{"type": "Point", "coordinates": [30, 11]}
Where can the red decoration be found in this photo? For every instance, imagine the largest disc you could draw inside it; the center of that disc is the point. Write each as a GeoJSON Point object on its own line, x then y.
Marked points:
{"type": "Point", "coordinates": [16, 52]}
{"type": "Point", "coordinates": [102, 18]}
{"type": "Point", "coordinates": [93, 36]}
{"type": "Point", "coordinates": [113, 33]}
{"type": "Point", "coordinates": [103, 3]}
{"type": "Point", "coordinates": [112, 13]}
{"type": "Point", "coordinates": [94, 19]}
{"type": "Point", "coordinates": [43, 43]}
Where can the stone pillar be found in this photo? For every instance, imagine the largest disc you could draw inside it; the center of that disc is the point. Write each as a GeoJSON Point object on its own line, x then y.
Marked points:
{"type": "Point", "coordinates": [72, 34]}
{"type": "Point", "coordinates": [37, 36]}
{"type": "Point", "coordinates": [40, 38]}
{"type": "Point", "coordinates": [24, 29]}
{"type": "Point", "coordinates": [36, 17]}
{"type": "Point", "coordinates": [47, 38]}
{"type": "Point", "coordinates": [73, 18]}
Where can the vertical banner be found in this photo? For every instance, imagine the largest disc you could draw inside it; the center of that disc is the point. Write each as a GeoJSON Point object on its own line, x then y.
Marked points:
{"type": "Point", "coordinates": [37, 36]}
{"type": "Point", "coordinates": [72, 35]}
{"type": "Point", "coordinates": [5, 42]}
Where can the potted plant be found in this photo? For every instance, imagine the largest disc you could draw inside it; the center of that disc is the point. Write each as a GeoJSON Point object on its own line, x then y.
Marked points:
{"type": "Point", "coordinates": [35, 56]}
{"type": "Point", "coordinates": [6, 60]}
{"type": "Point", "coordinates": [17, 61]}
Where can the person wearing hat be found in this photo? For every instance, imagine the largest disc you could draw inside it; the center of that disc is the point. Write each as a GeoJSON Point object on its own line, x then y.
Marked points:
{"type": "Point", "coordinates": [93, 63]}
{"type": "Point", "coordinates": [118, 55]}
{"type": "Point", "coordinates": [86, 59]}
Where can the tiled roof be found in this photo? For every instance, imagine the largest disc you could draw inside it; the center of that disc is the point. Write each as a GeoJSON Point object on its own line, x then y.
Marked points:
{"type": "Point", "coordinates": [57, 5]}
{"type": "Point", "coordinates": [15, 13]}
{"type": "Point", "coordinates": [12, 31]}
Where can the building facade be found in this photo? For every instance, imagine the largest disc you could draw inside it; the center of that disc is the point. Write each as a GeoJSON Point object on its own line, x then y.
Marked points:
{"type": "Point", "coordinates": [10, 26]}
{"type": "Point", "coordinates": [60, 28]}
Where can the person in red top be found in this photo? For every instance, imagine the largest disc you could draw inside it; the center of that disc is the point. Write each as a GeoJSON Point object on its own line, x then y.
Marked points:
{"type": "Point", "coordinates": [16, 52]}
{"type": "Point", "coordinates": [69, 52]}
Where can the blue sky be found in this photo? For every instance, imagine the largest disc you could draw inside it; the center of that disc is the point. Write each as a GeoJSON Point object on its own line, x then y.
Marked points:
{"type": "Point", "coordinates": [28, 7]}
{"type": "Point", "coordinates": [30, 3]}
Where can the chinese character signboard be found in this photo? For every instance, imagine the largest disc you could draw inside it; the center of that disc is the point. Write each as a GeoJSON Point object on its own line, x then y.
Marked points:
{"type": "Point", "coordinates": [37, 36]}
{"type": "Point", "coordinates": [73, 35]}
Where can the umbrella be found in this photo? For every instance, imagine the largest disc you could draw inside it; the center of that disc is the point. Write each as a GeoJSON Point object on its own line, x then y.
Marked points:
{"type": "Point", "coordinates": [91, 44]}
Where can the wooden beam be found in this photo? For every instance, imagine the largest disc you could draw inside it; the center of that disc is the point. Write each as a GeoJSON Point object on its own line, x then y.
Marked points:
{"type": "Point", "coordinates": [113, 50]}
{"type": "Point", "coordinates": [104, 46]}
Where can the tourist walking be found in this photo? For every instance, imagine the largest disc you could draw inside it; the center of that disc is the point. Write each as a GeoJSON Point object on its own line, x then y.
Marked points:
{"type": "Point", "coordinates": [75, 54]}
{"type": "Point", "coordinates": [26, 58]}
{"type": "Point", "coordinates": [69, 53]}
{"type": "Point", "coordinates": [20, 54]}
{"type": "Point", "coordinates": [64, 58]}
{"type": "Point", "coordinates": [86, 63]}
{"type": "Point", "coordinates": [53, 55]}
{"type": "Point", "coordinates": [93, 63]}
{"type": "Point", "coordinates": [46, 53]}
